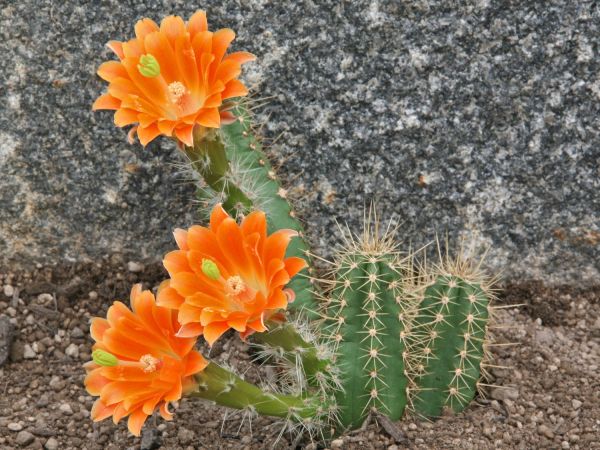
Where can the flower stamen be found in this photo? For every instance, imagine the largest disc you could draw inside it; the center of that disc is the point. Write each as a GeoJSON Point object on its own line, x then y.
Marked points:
{"type": "Point", "coordinates": [176, 91]}
{"type": "Point", "coordinates": [149, 363]}
{"type": "Point", "coordinates": [236, 285]}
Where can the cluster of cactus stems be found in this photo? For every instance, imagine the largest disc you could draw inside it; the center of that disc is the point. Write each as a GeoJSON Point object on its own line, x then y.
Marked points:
{"type": "Point", "coordinates": [386, 334]}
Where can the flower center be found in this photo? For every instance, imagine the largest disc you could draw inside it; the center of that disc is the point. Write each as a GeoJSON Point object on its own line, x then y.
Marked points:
{"type": "Point", "coordinates": [176, 91]}
{"type": "Point", "coordinates": [236, 285]}
{"type": "Point", "coordinates": [149, 363]}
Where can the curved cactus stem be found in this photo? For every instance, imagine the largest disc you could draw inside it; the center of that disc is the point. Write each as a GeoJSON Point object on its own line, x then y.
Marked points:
{"type": "Point", "coordinates": [228, 389]}
{"type": "Point", "coordinates": [299, 352]}
{"type": "Point", "coordinates": [238, 174]}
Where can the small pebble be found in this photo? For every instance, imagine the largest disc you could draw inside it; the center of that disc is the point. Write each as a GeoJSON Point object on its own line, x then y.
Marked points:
{"type": "Point", "coordinates": [15, 426]}
{"type": "Point", "coordinates": [66, 408]}
{"type": "Point", "coordinates": [9, 290]}
{"type": "Point", "coordinates": [51, 444]}
{"type": "Point", "coordinates": [576, 403]}
{"type": "Point", "coordinates": [135, 267]}
{"type": "Point", "coordinates": [28, 352]}
{"type": "Point", "coordinates": [93, 295]}
{"type": "Point", "coordinates": [24, 438]}
{"type": "Point", "coordinates": [72, 350]}
{"type": "Point", "coordinates": [544, 430]}
{"type": "Point", "coordinates": [337, 443]}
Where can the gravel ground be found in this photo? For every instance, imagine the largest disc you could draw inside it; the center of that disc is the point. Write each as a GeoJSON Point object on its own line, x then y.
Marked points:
{"type": "Point", "coordinates": [549, 398]}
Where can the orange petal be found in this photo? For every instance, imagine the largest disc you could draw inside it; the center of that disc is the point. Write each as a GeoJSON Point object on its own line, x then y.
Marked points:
{"type": "Point", "coordinates": [172, 27]}
{"type": "Point", "coordinates": [277, 243]}
{"type": "Point", "coordinates": [186, 283]}
{"type": "Point", "coordinates": [136, 421]}
{"type": "Point", "coordinates": [100, 411]}
{"type": "Point", "coordinates": [176, 261]}
{"type": "Point", "coordinates": [214, 331]}
{"type": "Point", "coordinates": [158, 46]}
{"type": "Point", "coordinates": [240, 57]}
{"type": "Point", "coordinates": [195, 363]}
{"type": "Point", "coordinates": [146, 135]}
{"type": "Point", "coordinates": [234, 88]}
{"type": "Point", "coordinates": [144, 27]}
{"type": "Point", "coordinates": [94, 381]}
{"type": "Point", "coordinates": [188, 314]}
{"type": "Point", "coordinates": [277, 300]}
{"type": "Point", "coordinates": [257, 325]}
{"type": "Point", "coordinates": [221, 40]}
{"type": "Point", "coordinates": [293, 265]}
{"type": "Point", "coordinates": [217, 216]}
{"type": "Point", "coordinates": [98, 327]}
{"type": "Point", "coordinates": [124, 117]}
{"type": "Point", "coordinates": [255, 222]}
{"type": "Point", "coordinates": [181, 238]}
{"type": "Point", "coordinates": [168, 297]}
{"type": "Point", "coordinates": [197, 23]}
{"type": "Point", "coordinates": [209, 118]}
{"type": "Point", "coordinates": [110, 70]}
{"type": "Point", "coordinates": [186, 135]}
{"type": "Point", "coordinates": [164, 411]}
{"type": "Point", "coordinates": [227, 71]}
{"type": "Point", "coordinates": [117, 48]}
{"type": "Point", "coordinates": [106, 101]}
{"type": "Point", "coordinates": [190, 330]}
{"type": "Point", "coordinates": [238, 324]}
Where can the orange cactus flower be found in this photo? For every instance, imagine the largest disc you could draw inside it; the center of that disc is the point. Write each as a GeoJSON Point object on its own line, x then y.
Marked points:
{"type": "Point", "coordinates": [139, 364]}
{"type": "Point", "coordinates": [171, 78]}
{"type": "Point", "coordinates": [228, 275]}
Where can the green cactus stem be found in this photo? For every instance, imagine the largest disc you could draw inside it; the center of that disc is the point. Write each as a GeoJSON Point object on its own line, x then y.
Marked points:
{"type": "Point", "coordinates": [367, 318]}
{"type": "Point", "coordinates": [225, 388]}
{"type": "Point", "coordinates": [238, 174]}
{"type": "Point", "coordinates": [453, 315]}
{"type": "Point", "coordinates": [301, 353]}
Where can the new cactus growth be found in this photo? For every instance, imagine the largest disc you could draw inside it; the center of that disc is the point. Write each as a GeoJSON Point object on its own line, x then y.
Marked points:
{"type": "Point", "coordinates": [238, 174]}
{"type": "Point", "coordinates": [453, 318]}
{"type": "Point", "coordinates": [367, 319]}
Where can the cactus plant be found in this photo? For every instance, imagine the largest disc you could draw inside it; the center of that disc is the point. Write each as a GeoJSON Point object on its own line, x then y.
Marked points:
{"type": "Point", "coordinates": [367, 317]}
{"type": "Point", "coordinates": [237, 173]}
{"type": "Point", "coordinates": [453, 316]}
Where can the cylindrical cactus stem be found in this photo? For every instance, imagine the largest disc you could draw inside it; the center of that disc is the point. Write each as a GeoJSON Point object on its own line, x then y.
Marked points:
{"type": "Point", "coordinates": [307, 355]}
{"type": "Point", "coordinates": [238, 174]}
{"type": "Point", "coordinates": [228, 389]}
{"type": "Point", "coordinates": [368, 319]}
{"type": "Point", "coordinates": [453, 316]}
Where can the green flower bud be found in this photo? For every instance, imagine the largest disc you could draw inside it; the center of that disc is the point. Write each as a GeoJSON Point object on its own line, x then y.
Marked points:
{"type": "Point", "coordinates": [149, 66]}
{"type": "Point", "coordinates": [103, 358]}
{"type": "Point", "coordinates": [210, 269]}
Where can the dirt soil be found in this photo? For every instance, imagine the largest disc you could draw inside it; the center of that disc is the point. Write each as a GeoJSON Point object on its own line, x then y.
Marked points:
{"type": "Point", "coordinates": [549, 398]}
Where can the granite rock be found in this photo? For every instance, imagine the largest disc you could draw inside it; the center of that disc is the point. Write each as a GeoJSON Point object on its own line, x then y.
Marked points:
{"type": "Point", "coordinates": [476, 117]}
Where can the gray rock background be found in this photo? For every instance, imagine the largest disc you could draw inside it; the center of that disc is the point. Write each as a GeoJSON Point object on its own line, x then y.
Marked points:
{"type": "Point", "coordinates": [456, 116]}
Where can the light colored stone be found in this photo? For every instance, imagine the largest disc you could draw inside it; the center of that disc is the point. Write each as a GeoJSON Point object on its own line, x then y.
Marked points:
{"type": "Point", "coordinates": [66, 409]}
{"type": "Point", "coordinates": [576, 403]}
{"type": "Point", "coordinates": [51, 444]}
{"type": "Point", "coordinates": [337, 443]}
{"type": "Point", "coordinates": [28, 352]}
{"type": "Point", "coordinates": [15, 426]}
{"type": "Point", "coordinates": [72, 350]}
{"type": "Point", "coordinates": [8, 290]}
{"type": "Point", "coordinates": [24, 438]}
{"type": "Point", "coordinates": [135, 267]}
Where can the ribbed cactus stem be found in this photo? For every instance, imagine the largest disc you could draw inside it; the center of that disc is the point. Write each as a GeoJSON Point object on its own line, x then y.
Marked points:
{"type": "Point", "coordinates": [453, 317]}
{"type": "Point", "coordinates": [228, 389]}
{"type": "Point", "coordinates": [238, 174]}
{"type": "Point", "coordinates": [367, 318]}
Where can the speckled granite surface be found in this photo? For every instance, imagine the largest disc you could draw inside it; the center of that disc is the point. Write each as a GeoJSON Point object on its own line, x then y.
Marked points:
{"type": "Point", "coordinates": [478, 116]}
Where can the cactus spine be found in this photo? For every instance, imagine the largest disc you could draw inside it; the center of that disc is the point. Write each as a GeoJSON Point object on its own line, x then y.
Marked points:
{"type": "Point", "coordinates": [238, 174]}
